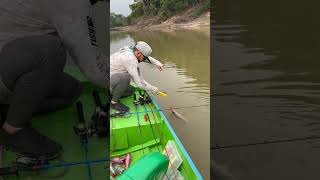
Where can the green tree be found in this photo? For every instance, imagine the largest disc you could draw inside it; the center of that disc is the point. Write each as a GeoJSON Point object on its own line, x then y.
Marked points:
{"type": "Point", "coordinates": [165, 8]}
{"type": "Point", "coordinates": [117, 20]}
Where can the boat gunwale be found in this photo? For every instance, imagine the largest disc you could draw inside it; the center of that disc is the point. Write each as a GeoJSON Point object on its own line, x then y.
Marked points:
{"type": "Point", "coordinates": [184, 151]}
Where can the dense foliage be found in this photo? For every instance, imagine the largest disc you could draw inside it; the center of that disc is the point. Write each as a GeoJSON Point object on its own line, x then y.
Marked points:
{"type": "Point", "coordinates": [162, 8]}
{"type": "Point", "coordinates": [117, 20]}
{"type": "Point", "coordinates": [165, 8]}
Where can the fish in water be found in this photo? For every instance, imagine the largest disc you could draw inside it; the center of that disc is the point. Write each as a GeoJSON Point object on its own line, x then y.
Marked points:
{"type": "Point", "coordinates": [178, 115]}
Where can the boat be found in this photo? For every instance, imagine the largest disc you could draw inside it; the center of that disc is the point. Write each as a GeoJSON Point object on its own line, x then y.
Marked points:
{"type": "Point", "coordinates": [142, 133]}
{"type": "Point", "coordinates": [145, 131]}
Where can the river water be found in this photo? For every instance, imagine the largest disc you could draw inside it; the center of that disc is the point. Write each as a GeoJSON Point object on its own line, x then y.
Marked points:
{"type": "Point", "coordinates": [185, 78]}
{"type": "Point", "coordinates": [266, 96]}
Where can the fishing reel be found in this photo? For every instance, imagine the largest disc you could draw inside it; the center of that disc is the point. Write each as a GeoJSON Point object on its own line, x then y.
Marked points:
{"type": "Point", "coordinates": [99, 124]}
{"type": "Point", "coordinates": [143, 99]}
{"type": "Point", "coordinates": [135, 101]}
{"type": "Point", "coordinates": [100, 118]}
{"type": "Point", "coordinates": [81, 128]}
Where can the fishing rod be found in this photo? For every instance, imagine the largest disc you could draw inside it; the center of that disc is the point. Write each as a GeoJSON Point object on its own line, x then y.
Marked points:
{"type": "Point", "coordinates": [23, 164]}
{"type": "Point", "coordinates": [147, 118]}
{"type": "Point", "coordinates": [135, 102]}
{"type": "Point", "coordinates": [99, 124]}
{"type": "Point", "coordinates": [154, 136]}
{"type": "Point", "coordinates": [161, 138]}
{"type": "Point", "coordinates": [100, 119]}
{"type": "Point", "coordinates": [118, 113]}
{"type": "Point", "coordinates": [83, 132]}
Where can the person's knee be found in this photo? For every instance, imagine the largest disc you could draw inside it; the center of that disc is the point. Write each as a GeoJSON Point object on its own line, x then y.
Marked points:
{"type": "Point", "coordinates": [54, 50]}
{"type": "Point", "coordinates": [54, 41]}
{"type": "Point", "coordinates": [119, 80]}
{"type": "Point", "coordinates": [126, 78]}
{"type": "Point", "coordinates": [74, 88]}
{"type": "Point", "coordinates": [131, 89]}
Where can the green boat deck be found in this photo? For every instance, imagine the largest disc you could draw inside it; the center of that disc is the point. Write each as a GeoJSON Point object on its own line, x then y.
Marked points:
{"type": "Point", "coordinates": [143, 130]}
{"type": "Point", "coordinates": [59, 126]}
{"type": "Point", "coordinates": [125, 137]}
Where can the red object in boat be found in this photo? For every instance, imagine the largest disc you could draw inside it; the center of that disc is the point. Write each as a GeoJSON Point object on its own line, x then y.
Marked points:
{"type": "Point", "coordinates": [146, 117]}
{"type": "Point", "coordinates": [118, 160]}
{"type": "Point", "coordinates": [127, 160]}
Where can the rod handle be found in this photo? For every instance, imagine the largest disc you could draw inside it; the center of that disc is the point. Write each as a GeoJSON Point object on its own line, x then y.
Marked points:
{"type": "Point", "coordinates": [96, 98]}
{"type": "Point", "coordinates": [80, 112]}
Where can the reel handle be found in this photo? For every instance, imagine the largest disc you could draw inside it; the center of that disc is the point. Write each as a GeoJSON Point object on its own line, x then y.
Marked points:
{"type": "Point", "coordinates": [80, 112]}
{"type": "Point", "coordinates": [97, 99]}
{"type": "Point", "coordinates": [134, 96]}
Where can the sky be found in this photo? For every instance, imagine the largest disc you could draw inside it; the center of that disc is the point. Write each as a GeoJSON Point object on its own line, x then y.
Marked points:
{"type": "Point", "coordinates": [121, 6]}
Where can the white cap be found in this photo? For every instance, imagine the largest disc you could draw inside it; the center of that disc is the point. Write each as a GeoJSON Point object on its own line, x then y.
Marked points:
{"type": "Point", "coordinates": [144, 48]}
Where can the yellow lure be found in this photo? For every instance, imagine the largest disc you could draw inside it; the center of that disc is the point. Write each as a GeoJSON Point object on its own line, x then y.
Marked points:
{"type": "Point", "coordinates": [162, 94]}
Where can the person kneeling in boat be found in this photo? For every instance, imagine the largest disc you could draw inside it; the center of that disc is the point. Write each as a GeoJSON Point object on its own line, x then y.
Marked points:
{"type": "Point", "coordinates": [124, 67]}
{"type": "Point", "coordinates": [34, 39]}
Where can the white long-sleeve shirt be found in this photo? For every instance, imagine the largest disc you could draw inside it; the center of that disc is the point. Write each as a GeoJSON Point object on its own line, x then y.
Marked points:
{"type": "Point", "coordinates": [124, 61]}
{"type": "Point", "coordinates": [71, 19]}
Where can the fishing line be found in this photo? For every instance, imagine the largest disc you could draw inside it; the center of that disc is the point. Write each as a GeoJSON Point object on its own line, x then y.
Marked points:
{"type": "Point", "coordinates": [86, 158]}
{"type": "Point", "coordinates": [264, 143]}
{"type": "Point", "coordinates": [136, 105]}
{"type": "Point", "coordinates": [169, 109]}
{"type": "Point", "coordinates": [75, 163]}
{"type": "Point", "coordinates": [83, 134]}
{"type": "Point", "coordinates": [154, 135]}
{"type": "Point", "coordinates": [65, 164]}
{"type": "Point", "coordinates": [161, 139]}
{"type": "Point", "coordinates": [115, 141]}
{"type": "Point", "coordinates": [187, 107]}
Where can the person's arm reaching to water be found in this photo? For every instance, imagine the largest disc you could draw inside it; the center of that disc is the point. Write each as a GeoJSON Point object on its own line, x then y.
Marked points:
{"type": "Point", "coordinates": [132, 69]}
{"type": "Point", "coordinates": [156, 63]}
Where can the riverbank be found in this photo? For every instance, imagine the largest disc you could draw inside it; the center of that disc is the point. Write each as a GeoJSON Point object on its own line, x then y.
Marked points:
{"type": "Point", "coordinates": [177, 22]}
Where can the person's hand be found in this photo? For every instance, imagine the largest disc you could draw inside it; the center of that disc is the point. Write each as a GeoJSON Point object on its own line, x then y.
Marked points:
{"type": "Point", "coordinates": [155, 90]}
{"type": "Point", "coordinates": [160, 67]}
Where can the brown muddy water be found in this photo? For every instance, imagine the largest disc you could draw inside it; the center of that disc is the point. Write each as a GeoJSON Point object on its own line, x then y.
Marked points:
{"type": "Point", "coordinates": [266, 95]}
{"type": "Point", "coordinates": [186, 79]}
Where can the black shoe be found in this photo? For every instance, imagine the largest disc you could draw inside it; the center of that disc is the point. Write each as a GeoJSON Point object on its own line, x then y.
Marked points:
{"type": "Point", "coordinates": [3, 113]}
{"type": "Point", "coordinates": [29, 142]}
{"type": "Point", "coordinates": [120, 107]}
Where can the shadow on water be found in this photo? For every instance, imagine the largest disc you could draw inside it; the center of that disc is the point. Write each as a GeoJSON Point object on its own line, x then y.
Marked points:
{"type": "Point", "coordinates": [266, 87]}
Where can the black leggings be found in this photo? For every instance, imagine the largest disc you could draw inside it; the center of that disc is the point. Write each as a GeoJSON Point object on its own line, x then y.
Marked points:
{"type": "Point", "coordinates": [32, 68]}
